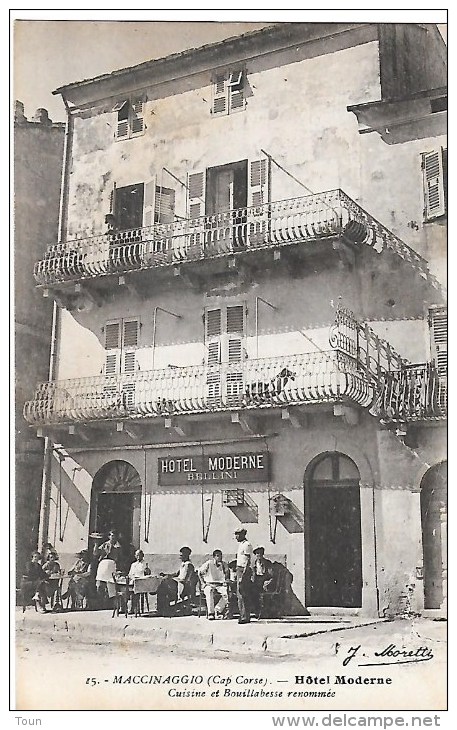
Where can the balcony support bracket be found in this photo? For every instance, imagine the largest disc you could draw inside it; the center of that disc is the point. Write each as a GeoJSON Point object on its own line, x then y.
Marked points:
{"type": "Point", "coordinates": [91, 296]}
{"type": "Point", "coordinates": [349, 415]}
{"type": "Point", "coordinates": [246, 424]}
{"type": "Point", "coordinates": [177, 426]}
{"type": "Point", "coordinates": [187, 277]}
{"type": "Point", "coordinates": [294, 419]}
{"type": "Point", "coordinates": [75, 431]}
{"type": "Point", "coordinates": [128, 428]}
{"type": "Point", "coordinates": [126, 283]}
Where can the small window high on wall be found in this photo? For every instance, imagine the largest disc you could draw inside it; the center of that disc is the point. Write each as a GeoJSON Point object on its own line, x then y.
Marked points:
{"type": "Point", "coordinates": [434, 173]}
{"type": "Point", "coordinates": [130, 118]}
{"type": "Point", "coordinates": [228, 90]}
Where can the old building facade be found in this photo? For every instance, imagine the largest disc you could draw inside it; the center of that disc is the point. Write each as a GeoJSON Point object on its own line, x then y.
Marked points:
{"type": "Point", "coordinates": [248, 330]}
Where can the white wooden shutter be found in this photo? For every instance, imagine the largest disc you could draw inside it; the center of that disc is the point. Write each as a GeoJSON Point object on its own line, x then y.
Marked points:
{"type": "Point", "coordinates": [259, 182]}
{"type": "Point", "coordinates": [438, 326]}
{"type": "Point", "coordinates": [112, 348]}
{"type": "Point", "coordinates": [258, 197]}
{"type": "Point", "coordinates": [219, 105]}
{"type": "Point", "coordinates": [136, 117]}
{"type": "Point", "coordinates": [164, 205]}
{"type": "Point", "coordinates": [149, 202]}
{"type": "Point", "coordinates": [196, 193]}
{"type": "Point", "coordinates": [236, 90]}
{"type": "Point", "coordinates": [122, 110]}
{"type": "Point", "coordinates": [235, 319]}
{"type": "Point", "coordinates": [213, 322]}
{"type": "Point", "coordinates": [432, 168]}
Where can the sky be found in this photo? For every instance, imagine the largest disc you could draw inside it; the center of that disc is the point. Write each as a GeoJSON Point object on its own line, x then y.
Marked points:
{"type": "Point", "coordinates": [49, 52]}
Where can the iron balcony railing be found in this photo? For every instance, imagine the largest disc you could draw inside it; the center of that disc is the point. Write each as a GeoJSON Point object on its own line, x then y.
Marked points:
{"type": "Point", "coordinates": [281, 223]}
{"type": "Point", "coordinates": [315, 377]}
{"type": "Point", "coordinates": [414, 393]}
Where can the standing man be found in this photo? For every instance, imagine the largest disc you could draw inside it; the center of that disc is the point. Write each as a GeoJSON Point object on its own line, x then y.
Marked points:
{"type": "Point", "coordinates": [214, 574]}
{"type": "Point", "coordinates": [243, 575]}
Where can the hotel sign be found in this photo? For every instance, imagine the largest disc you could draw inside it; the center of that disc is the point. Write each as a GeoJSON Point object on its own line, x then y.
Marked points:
{"type": "Point", "coordinates": [214, 468]}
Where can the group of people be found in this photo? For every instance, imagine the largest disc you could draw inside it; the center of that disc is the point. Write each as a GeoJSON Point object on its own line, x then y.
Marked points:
{"type": "Point", "coordinates": [238, 584]}
{"type": "Point", "coordinates": [245, 578]}
{"type": "Point", "coordinates": [41, 576]}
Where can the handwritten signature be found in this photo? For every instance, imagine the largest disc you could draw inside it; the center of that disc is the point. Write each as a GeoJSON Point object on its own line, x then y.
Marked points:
{"type": "Point", "coordinates": [391, 654]}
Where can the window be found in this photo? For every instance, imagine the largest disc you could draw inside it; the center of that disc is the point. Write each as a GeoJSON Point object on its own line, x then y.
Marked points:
{"type": "Point", "coordinates": [434, 171]}
{"type": "Point", "coordinates": [225, 332]}
{"type": "Point", "coordinates": [130, 121]}
{"type": "Point", "coordinates": [438, 334]}
{"type": "Point", "coordinates": [228, 92]}
{"type": "Point", "coordinates": [121, 342]}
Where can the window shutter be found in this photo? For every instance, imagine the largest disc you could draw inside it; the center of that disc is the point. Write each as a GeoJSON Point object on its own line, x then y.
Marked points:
{"type": "Point", "coordinates": [236, 90]}
{"type": "Point", "coordinates": [129, 362]}
{"type": "Point", "coordinates": [165, 205]}
{"type": "Point", "coordinates": [112, 360]}
{"type": "Point", "coordinates": [214, 353]}
{"type": "Point", "coordinates": [235, 319]}
{"type": "Point", "coordinates": [432, 168]}
{"type": "Point", "coordinates": [130, 333]}
{"type": "Point", "coordinates": [234, 350]}
{"type": "Point", "coordinates": [137, 121]}
{"type": "Point", "coordinates": [438, 323]}
{"type": "Point", "coordinates": [196, 190]}
{"type": "Point", "coordinates": [219, 105]}
{"type": "Point", "coordinates": [112, 335]}
{"type": "Point", "coordinates": [149, 202]}
{"type": "Point", "coordinates": [213, 322]}
{"type": "Point", "coordinates": [259, 182]}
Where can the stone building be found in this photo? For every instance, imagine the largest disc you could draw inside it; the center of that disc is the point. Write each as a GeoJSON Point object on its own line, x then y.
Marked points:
{"type": "Point", "coordinates": [248, 329]}
{"type": "Point", "coordinates": [38, 153]}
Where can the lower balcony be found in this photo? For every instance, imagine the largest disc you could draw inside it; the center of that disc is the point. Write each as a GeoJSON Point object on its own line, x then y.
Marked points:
{"type": "Point", "coordinates": [414, 393]}
{"type": "Point", "coordinates": [318, 377]}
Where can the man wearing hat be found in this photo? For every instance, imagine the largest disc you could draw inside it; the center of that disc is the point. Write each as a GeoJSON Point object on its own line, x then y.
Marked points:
{"type": "Point", "coordinates": [243, 574]}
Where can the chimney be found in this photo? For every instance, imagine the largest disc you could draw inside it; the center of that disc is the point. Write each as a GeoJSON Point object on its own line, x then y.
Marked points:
{"type": "Point", "coordinates": [42, 117]}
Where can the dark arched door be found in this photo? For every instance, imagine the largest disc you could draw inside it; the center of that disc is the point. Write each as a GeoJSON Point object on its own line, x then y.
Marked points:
{"type": "Point", "coordinates": [333, 540]}
{"type": "Point", "coordinates": [116, 501]}
{"type": "Point", "coordinates": [433, 497]}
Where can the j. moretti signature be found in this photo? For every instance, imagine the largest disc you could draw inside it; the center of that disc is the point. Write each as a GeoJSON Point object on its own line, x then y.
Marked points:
{"type": "Point", "coordinates": [391, 654]}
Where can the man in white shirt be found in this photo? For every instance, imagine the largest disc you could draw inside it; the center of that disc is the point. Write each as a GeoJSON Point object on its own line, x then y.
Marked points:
{"type": "Point", "coordinates": [243, 575]}
{"type": "Point", "coordinates": [214, 574]}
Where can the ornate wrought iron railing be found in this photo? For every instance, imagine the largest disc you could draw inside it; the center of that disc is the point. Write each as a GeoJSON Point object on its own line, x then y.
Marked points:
{"type": "Point", "coordinates": [281, 223]}
{"type": "Point", "coordinates": [264, 383]}
{"type": "Point", "coordinates": [414, 393]}
{"type": "Point", "coordinates": [373, 355]}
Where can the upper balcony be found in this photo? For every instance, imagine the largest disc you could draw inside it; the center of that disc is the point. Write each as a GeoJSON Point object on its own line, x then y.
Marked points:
{"type": "Point", "coordinates": [186, 244]}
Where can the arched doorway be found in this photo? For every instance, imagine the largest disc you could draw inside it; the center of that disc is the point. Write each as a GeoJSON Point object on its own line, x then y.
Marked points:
{"type": "Point", "coordinates": [116, 501]}
{"type": "Point", "coordinates": [433, 499]}
{"type": "Point", "coordinates": [333, 538]}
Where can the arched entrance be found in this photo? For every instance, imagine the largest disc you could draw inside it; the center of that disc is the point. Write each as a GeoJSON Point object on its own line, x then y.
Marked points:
{"type": "Point", "coordinates": [333, 538]}
{"type": "Point", "coordinates": [116, 501]}
{"type": "Point", "coordinates": [433, 498]}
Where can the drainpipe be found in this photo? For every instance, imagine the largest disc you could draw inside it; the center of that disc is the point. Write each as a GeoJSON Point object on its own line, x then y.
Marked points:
{"type": "Point", "coordinates": [46, 483]}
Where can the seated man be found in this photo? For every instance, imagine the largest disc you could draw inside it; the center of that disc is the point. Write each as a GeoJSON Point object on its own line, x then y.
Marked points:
{"type": "Point", "coordinates": [215, 574]}
{"type": "Point", "coordinates": [34, 582]}
{"type": "Point", "coordinates": [80, 583]}
{"type": "Point", "coordinates": [175, 587]}
{"type": "Point", "coordinates": [262, 575]}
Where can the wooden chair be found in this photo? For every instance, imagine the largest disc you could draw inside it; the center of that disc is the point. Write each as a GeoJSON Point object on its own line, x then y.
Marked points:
{"type": "Point", "coordinates": [28, 589]}
{"type": "Point", "coordinates": [270, 599]}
